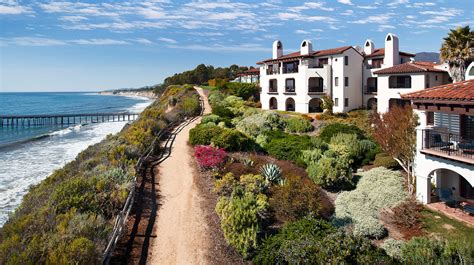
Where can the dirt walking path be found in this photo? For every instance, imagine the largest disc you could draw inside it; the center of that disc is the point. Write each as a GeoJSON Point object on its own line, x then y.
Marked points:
{"type": "Point", "coordinates": [180, 227]}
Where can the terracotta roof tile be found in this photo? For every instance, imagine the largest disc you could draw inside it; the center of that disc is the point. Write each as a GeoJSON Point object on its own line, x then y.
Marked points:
{"type": "Point", "coordinates": [407, 68]}
{"type": "Point", "coordinates": [253, 71]}
{"type": "Point", "coordinates": [381, 52]}
{"type": "Point", "coordinates": [297, 55]}
{"type": "Point", "coordinates": [460, 91]}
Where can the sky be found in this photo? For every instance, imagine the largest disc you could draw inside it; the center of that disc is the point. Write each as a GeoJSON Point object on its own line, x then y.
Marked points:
{"type": "Point", "coordinates": [97, 45]}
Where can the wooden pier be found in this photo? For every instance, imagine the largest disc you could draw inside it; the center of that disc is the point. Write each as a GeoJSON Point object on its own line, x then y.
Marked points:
{"type": "Point", "coordinates": [64, 119]}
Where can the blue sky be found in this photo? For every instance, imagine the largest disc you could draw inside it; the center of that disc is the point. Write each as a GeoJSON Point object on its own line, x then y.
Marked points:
{"type": "Point", "coordinates": [95, 45]}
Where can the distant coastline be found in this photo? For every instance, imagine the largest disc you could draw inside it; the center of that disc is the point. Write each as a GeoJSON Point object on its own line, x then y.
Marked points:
{"type": "Point", "coordinates": [143, 94]}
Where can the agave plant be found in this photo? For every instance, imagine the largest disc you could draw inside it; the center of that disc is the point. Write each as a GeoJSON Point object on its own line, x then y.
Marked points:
{"type": "Point", "coordinates": [247, 162]}
{"type": "Point", "coordinates": [272, 173]}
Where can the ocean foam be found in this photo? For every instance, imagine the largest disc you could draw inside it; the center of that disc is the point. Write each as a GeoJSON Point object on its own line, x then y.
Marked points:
{"type": "Point", "coordinates": [32, 162]}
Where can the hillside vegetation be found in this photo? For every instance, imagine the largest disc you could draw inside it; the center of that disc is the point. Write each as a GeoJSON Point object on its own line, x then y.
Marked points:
{"type": "Point", "coordinates": [69, 216]}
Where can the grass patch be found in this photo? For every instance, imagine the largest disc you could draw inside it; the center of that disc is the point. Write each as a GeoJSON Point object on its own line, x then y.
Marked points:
{"type": "Point", "coordinates": [443, 226]}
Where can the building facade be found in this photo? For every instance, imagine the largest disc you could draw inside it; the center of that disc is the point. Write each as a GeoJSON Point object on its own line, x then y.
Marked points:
{"type": "Point", "coordinates": [350, 76]}
{"type": "Point", "coordinates": [444, 157]}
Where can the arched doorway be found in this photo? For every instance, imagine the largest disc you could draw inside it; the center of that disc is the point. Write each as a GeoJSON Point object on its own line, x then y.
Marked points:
{"type": "Point", "coordinates": [314, 105]}
{"type": "Point", "coordinates": [372, 104]}
{"type": "Point", "coordinates": [290, 104]}
{"type": "Point", "coordinates": [273, 103]}
{"type": "Point", "coordinates": [452, 182]}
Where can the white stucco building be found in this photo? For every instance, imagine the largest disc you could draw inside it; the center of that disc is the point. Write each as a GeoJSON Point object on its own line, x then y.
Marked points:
{"type": "Point", "coordinates": [351, 76]}
{"type": "Point", "coordinates": [445, 141]}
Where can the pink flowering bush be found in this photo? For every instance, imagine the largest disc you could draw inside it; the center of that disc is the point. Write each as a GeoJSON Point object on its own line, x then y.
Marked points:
{"type": "Point", "coordinates": [209, 157]}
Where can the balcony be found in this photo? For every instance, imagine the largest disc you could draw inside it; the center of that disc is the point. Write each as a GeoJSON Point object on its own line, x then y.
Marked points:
{"type": "Point", "coordinates": [290, 70]}
{"type": "Point", "coordinates": [448, 145]}
{"type": "Point", "coordinates": [273, 71]}
{"type": "Point", "coordinates": [370, 90]}
{"type": "Point", "coordinates": [315, 90]}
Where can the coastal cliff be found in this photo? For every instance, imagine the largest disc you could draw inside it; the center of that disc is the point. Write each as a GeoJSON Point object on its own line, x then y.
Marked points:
{"type": "Point", "coordinates": [69, 216]}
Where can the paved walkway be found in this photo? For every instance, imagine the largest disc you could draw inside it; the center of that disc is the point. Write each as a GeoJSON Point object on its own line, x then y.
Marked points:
{"type": "Point", "coordinates": [453, 213]}
{"type": "Point", "coordinates": [180, 229]}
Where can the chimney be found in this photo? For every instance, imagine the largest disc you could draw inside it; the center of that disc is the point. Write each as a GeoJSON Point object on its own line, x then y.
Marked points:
{"type": "Point", "coordinates": [277, 49]}
{"type": "Point", "coordinates": [392, 53]}
{"type": "Point", "coordinates": [369, 47]}
{"type": "Point", "coordinates": [306, 47]}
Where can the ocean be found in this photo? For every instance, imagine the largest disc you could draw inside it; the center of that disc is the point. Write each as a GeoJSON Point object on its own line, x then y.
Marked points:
{"type": "Point", "coordinates": [29, 155]}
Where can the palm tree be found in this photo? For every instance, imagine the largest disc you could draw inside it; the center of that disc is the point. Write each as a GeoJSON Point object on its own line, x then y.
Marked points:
{"type": "Point", "coordinates": [457, 51]}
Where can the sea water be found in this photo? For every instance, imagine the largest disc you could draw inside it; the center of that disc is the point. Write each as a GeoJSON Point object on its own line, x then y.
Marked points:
{"type": "Point", "coordinates": [30, 154]}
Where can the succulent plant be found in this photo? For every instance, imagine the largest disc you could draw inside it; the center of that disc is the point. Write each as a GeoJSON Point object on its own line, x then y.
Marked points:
{"type": "Point", "coordinates": [272, 173]}
{"type": "Point", "coordinates": [247, 162]}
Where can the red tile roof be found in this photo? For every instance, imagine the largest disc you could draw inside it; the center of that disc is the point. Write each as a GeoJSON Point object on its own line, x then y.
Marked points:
{"type": "Point", "coordinates": [460, 91]}
{"type": "Point", "coordinates": [297, 55]}
{"type": "Point", "coordinates": [253, 71]}
{"type": "Point", "coordinates": [407, 68]}
{"type": "Point", "coordinates": [381, 52]}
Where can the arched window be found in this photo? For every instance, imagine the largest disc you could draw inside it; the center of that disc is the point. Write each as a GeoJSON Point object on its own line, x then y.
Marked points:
{"type": "Point", "coordinates": [389, 38]}
{"type": "Point", "coordinates": [372, 104]}
{"type": "Point", "coordinates": [273, 103]}
{"type": "Point", "coordinates": [401, 81]}
{"type": "Point", "coordinates": [290, 104]}
{"type": "Point", "coordinates": [314, 105]}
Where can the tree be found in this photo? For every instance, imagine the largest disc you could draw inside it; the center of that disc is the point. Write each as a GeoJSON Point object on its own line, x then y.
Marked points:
{"type": "Point", "coordinates": [396, 134]}
{"type": "Point", "coordinates": [456, 51]}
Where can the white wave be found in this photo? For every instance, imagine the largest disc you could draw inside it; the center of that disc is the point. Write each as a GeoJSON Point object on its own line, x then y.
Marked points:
{"type": "Point", "coordinates": [74, 128]}
{"type": "Point", "coordinates": [34, 161]}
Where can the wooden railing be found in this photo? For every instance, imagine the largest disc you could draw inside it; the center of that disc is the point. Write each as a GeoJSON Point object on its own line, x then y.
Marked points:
{"type": "Point", "coordinates": [141, 168]}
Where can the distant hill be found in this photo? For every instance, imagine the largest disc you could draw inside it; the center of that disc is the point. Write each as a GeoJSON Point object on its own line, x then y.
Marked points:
{"type": "Point", "coordinates": [427, 57]}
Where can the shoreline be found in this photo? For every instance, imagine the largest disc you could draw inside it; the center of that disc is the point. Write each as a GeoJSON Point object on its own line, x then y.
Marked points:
{"type": "Point", "coordinates": [96, 132]}
{"type": "Point", "coordinates": [137, 94]}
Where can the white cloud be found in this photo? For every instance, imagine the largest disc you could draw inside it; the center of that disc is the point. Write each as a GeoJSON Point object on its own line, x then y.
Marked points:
{"type": "Point", "coordinates": [72, 19]}
{"type": "Point", "coordinates": [142, 41]}
{"type": "Point", "coordinates": [33, 41]}
{"type": "Point", "coordinates": [378, 19]}
{"type": "Point", "coordinates": [300, 31]}
{"type": "Point", "coordinates": [398, 2]}
{"type": "Point", "coordinates": [345, 2]}
{"type": "Point", "coordinates": [312, 5]}
{"type": "Point", "coordinates": [223, 48]}
{"type": "Point", "coordinates": [99, 42]}
{"type": "Point", "coordinates": [13, 8]}
{"type": "Point", "coordinates": [367, 7]}
{"type": "Point", "coordinates": [168, 40]}
{"type": "Point", "coordinates": [347, 13]}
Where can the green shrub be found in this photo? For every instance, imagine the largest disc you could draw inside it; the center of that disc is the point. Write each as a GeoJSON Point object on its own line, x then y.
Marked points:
{"type": "Point", "coordinates": [358, 151]}
{"type": "Point", "coordinates": [393, 247]}
{"type": "Point", "coordinates": [330, 130]}
{"type": "Point", "coordinates": [260, 123]}
{"type": "Point", "coordinates": [241, 219]}
{"type": "Point", "coordinates": [232, 140]}
{"type": "Point", "coordinates": [311, 156]}
{"type": "Point", "coordinates": [297, 125]}
{"type": "Point", "coordinates": [243, 90]}
{"type": "Point", "coordinates": [76, 193]}
{"type": "Point", "coordinates": [191, 106]}
{"type": "Point", "coordinates": [384, 160]}
{"type": "Point", "coordinates": [286, 146]}
{"type": "Point", "coordinates": [297, 198]}
{"type": "Point", "coordinates": [211, 118]}
{"type": "Point", "coordinates": [377, 189]}
{"type": "Point", "coordinates": [310, 241]}
{"type": "Point", "coordinates": [331, 171]}
{"type": "Point", "coordinates": [203, 134]}
{"type": "Point", "coordinates": [421, 250]}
